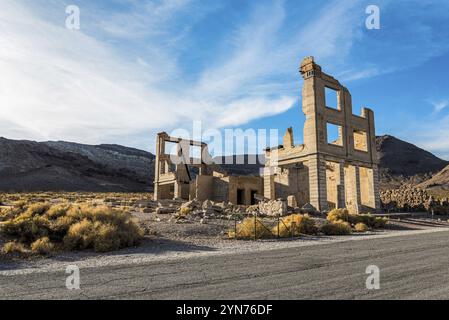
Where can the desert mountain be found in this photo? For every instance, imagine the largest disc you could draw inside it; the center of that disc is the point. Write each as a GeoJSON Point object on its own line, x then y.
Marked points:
{"type": "Point", "coordinates": [66, 166]}
{"type": "Point", "coordinates": [400, 161]}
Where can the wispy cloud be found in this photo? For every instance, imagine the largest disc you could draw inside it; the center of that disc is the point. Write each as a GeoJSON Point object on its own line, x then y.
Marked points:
{"type": "Point", "coordinates": [143, 18]}
{"type": "Point", "coordinates": [123, 76]}
{"type": "Point", "coordinates": [60, 84]}
{"type": "Point", "coordinates": [439, 105]}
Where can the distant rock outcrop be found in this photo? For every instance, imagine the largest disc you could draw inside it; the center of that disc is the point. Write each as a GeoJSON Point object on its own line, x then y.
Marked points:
{"type": "Point", "coordinates": [400, 162]}
{"type": "Point", "coordinates": [439, 180]}
{"type": "Point", "coordinates": [64, 166]}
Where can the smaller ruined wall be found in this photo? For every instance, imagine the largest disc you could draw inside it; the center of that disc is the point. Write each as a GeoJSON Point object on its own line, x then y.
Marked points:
{"type": "Point", "coordinates": [246, 183]}
{"type": "Point", "coordinates": [221, 189]}
{"type": "Point", "coordinates": [292, 181]}
{"type": "Point", "coordinates": [204, 187]}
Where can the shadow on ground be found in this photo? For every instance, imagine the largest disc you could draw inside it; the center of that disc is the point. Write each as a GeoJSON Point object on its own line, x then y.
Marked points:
{"type": "Point", "coordinates": [149, 246]}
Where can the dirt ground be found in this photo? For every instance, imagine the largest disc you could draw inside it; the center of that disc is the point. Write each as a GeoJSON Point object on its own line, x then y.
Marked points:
{"type": "Point", "coordinates": [201, 226]}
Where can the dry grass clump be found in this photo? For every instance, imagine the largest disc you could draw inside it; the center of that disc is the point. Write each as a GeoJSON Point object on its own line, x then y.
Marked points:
{"type": "Point", "coordinates": [13, 247]}
{"type": "Point", "coordinates": [295, 224]}
{"type": "Point", "coordinates": [42, 246]}
{"type": "Point", "coordinates": [369, 220]}
{"type": "Point", "coordinates": [246, 229]}
{"type": "Point", "coordinates": [45, 227]}
{"type": "Point", "coordinates": [338, 215]}
{"type": "Point", "coordinates": [336, 228]}
{"type": "Point", "coordinates": [361, 227]}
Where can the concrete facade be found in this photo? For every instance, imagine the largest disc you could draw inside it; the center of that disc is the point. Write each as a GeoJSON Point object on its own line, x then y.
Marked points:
{"type": "Point", "coordinates": [336, 173]}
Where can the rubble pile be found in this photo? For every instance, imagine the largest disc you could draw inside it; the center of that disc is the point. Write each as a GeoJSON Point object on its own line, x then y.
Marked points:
{"type": "Point", "coordinates": [197, 211]}
{"type": "Point", "coordinates": [194, 209]}
{"type": "Point", "coordinates": [273, 207]}
{"type": "Point", "coordinates": [408, 198]}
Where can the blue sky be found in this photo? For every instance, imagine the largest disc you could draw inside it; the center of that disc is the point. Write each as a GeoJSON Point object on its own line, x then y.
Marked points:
{"type": "Point", "coordinates": [139, 67]}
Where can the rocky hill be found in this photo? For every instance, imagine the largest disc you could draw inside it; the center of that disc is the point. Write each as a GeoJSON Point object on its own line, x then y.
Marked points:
{"type": "Point", "coordinates": [400, 161]}
{"type": "Point", "coordinates": [65, 166]}
{"type": "Point", "coordinates": [438, 181]}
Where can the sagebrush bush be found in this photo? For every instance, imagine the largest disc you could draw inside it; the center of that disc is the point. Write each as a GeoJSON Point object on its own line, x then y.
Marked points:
{"type": "Point", "coordinates": [369, 220]}
{"type": "Point", "coordinates": [361, 227]}
{"type": "Point", "coordinates": [72, 226]}
{"type": "Point", "coordinates": [295, 224]}
{"type": "Point", "coordinates": [246, 229]}
{"type": "Point", "coordinates": [13, 247]}
{"type": "Point", "coordinates": [336, 228]}
{"type": "Point", "coordinates": [42, 246]}
{"type": "Point", "coordinates": [380, 223]}
{"type": "Point", "coordinates": [338, 215]}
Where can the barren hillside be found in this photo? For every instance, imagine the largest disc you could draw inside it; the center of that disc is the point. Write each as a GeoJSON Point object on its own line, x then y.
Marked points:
{"type": "Point", "coordinates": [400, 161]}
{"type": "Point", "coordinates": [438, 181]}
{"type": "Point", "coordinates": [66, 166]}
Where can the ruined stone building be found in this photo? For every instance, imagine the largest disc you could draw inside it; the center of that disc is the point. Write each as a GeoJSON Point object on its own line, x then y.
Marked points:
{"type": "Point", "coordinates": [327, 173]}
{"type": "Point", "coordinates": [184, 177]}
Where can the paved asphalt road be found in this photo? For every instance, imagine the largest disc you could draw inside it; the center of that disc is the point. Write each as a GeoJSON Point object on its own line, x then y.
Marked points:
{"type": "Point", "coordinates": [414, 266]}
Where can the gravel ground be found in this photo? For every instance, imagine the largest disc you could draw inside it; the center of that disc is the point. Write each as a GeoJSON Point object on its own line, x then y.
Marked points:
{"type": "Point", "coordinates": [186, 240]}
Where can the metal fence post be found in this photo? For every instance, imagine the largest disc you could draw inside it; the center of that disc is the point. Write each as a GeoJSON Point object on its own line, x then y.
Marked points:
{"type": "Point", "coordinates": [278, 225]}
{"type": "Point", "coordinates": [255, 226]}
{"type": "Point", "coordinates": [292, 227]}
{"type": "Point", "coordinates": [235, 227]}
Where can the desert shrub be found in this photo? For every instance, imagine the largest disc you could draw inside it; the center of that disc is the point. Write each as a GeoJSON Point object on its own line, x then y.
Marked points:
{"type": "Point", "coordinates": [338, 215]}
{"type": "Point", "coordinates": [42, 246]}
{"type": "Point", "coordinates": [61, 226]}
{"type": "Point", "coordinates": [80, 235]}
{"type": "Point", "coordinates": [361, 227]}
{"type": "Point", "coordinates": [26, 227]}
{"type": "Point", "coordinates": [13, 247]}
{"type": "Point", "coordinates": [246, 229]}
{"type": "Point", "coordinates": [295, 224]}
{"type": "Point", "coordinates": [20, 204]}
{"type": "Point", "coordinates": [38, 209]}
{"type": "Point", "coordinates": [379, 223]}
{"type": "Point", "coordinates": [106, 238]}
{"type": "Point", "coordinates": [336, 228]}
{"type": "Point", "coordinates": [369, 220]}
{"type": "Point", "coordinates": [75, 227]}
{"type": "Point", "coordinates": [57, 211]}
{"type": "Point", "coordinates": [362, 218]}
{"type": "Point", "coordinates": [8, 214]}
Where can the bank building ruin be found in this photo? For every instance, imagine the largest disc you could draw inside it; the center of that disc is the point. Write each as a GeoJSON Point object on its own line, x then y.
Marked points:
{"type": "Point", "coordinates": [326, 173]}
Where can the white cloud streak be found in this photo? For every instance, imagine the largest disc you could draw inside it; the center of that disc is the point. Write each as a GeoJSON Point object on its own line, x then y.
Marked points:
{"type": "Point", "coordinates": [60, 84]}
{"type": "Point", "coordinates": [439, 105]}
